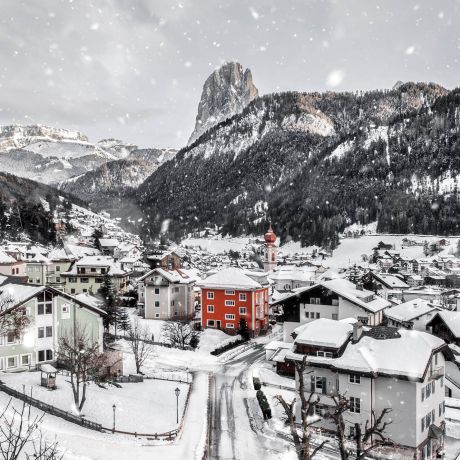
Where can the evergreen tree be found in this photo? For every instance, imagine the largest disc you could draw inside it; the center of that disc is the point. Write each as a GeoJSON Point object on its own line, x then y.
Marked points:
{"type": "Point", "coordinates": [124, 322]}
{"type": "Point", "coordinates": [107, 293]}
{"type": "Point", "coordinates": [243, 329]}
{"type": "Point", "coordinates": [97, 235]}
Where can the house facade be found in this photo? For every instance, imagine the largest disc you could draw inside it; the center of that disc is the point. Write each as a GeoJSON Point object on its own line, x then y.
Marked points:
{"type": "Point", "coordinates": [87, 275]}
{"type": "Point", "coordinates": [334, 299]}
{"type": "Point", "coordinates": [229, 295]}
{"type": "Point", "coordinates": [363, 364]}
{"type": "Point", "coordinates": [52, 314]}
{"type": "Point", "coordinates": [166, 294]}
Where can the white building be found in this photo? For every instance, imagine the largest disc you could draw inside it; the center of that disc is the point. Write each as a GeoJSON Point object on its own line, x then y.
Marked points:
{"type": "Point", "coordinates": [368, 367]}
{"type": "Point", "coordinates": [414, 314]}
{"type": "Point", "coordinates": [334, 299]}
{"type": "Point", "coordinates": [167, 294]}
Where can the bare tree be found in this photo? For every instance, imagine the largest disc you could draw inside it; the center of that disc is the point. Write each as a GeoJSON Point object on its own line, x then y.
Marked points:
{"type": "Point", "coordinates": [21, 436]}
{"type": "Point", "coordinates": [302, 440]}
{"type": "Point", "coordinates": [12, 319]}
{"type": "Point", "coordinates": [371, 438]}
{"type": "Point", "coordinates": [139, 337]}
{"type": "Point", "coordinates": [178, 333]}
{"type": "Point", "coordinates": [79, 354]}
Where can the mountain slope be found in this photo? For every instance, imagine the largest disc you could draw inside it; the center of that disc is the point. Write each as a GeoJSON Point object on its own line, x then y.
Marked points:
{"type": "Point", "coordinates": [116, 178]}
{"type": "Point", "coordinates": [310, 162]}
{"type": "Point", "coordinates": [27, 209]}
{"type": "Point", "coordinates": [50, 155]}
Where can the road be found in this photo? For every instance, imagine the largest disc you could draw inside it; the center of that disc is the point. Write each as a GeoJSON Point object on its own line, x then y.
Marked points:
{"type": "Point", "coordinates": [231, 435]}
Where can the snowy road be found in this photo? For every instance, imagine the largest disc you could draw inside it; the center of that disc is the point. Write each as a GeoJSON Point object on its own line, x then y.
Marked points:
{"type": "Point", "coordinates": [231, 434]}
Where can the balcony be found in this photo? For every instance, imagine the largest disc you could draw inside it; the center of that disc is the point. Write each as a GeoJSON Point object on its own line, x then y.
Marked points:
{"type": "Point", "coordinates": [437, 373]}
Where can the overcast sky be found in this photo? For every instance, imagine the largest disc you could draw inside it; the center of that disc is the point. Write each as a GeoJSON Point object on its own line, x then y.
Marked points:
{"type": "Point", "coordinates": [134, 69]}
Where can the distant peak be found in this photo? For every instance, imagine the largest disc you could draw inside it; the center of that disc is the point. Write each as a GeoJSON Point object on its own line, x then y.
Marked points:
{"type": "Point", "coordinates": [226, 92]}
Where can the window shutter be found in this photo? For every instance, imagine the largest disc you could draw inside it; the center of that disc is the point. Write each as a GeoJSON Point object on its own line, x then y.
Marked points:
{"type": "Point", "coordinates": [423, 394]}
{"type": "Point", "coordinates": [312, 390]}
{"type": "Point", "coordinates": [433, 386]}
{"type": "Point", "coordinates": [423, 424]}
{"type": "Point", "coordinates": [324, 386]}
{"type": "Point", "coordinates": [433, 415]}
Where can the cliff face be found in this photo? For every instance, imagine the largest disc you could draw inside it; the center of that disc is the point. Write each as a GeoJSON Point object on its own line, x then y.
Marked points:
{"type": "Point", "coordinates": [226, 92]}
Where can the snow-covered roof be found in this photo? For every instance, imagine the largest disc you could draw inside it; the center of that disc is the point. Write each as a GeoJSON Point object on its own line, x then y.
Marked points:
{"type": "Point", "coordinates": [361, 297]}
{"type": "Point", "coordinates": [324, 332]}
{"type": "Point", "coordinates": [90, 300]}
{"type": "Point", "coordinates": [383, 356]}
{"type": "Point", "coordinates": [276, 344]}
{"type": "Point", "coordinates": [173, 276]}
{"type": "Point", "coordinates": [451, 319]}
{"type": "Point", "coordinates": [393, 282]}
{"type": "Point", "coordinates": [410, 310]}
{"type": "Point", "coordinates": [97, 261]}
{"type": "Point", "coordinates": [232, 278]}
{"type": "Point", "coordinates": [18, 293]}
{"type": "Point", "coordinates": [109, 242]}
{"type": "Point", "coordinates": [6, 259]}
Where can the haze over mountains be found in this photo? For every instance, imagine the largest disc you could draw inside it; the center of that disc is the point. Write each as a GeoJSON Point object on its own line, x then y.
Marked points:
{"type": "Point", "coordinates": [310, 162]}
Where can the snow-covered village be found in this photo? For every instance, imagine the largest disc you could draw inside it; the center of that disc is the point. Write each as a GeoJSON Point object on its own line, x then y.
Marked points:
{"type": "Point", "coordinates": [229, 230]}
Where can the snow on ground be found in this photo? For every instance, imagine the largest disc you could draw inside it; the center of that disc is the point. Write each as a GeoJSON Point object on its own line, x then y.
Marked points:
{"type": "Point", "coordinates": [146, 400]}
{"type": "Point", "coordinates": [82, 444]}
{"type": "Point", "coordinates": [266, 372]}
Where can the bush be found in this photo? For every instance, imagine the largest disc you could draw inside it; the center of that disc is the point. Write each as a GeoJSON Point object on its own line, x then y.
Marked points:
{"type": "Point", "coordinates": [228, 346]}
{"type": "Point", "coordinates": [256, 383]}
{"type": "Point", "coordinates": [264, 405]}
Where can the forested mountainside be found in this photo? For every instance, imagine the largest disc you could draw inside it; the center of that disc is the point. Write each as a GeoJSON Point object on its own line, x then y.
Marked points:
{"type": "Point", "coordinates": [103, 187]}
{"type": "Point", "coordinates": [27, 208]}
{"type": "Point", "coordinates": [313, 163]}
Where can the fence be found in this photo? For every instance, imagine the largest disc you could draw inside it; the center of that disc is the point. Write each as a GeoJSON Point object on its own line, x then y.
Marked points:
{"type": "Point", "coordinates": [207, 445]}
{"type": "Point", "coordinates": [51, 409]}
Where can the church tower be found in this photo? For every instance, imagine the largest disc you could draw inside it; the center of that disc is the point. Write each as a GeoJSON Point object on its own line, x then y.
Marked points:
{"type": "Point", "coordinates": [270, 250]}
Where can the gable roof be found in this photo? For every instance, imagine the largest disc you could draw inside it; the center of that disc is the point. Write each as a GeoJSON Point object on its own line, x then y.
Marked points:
{"type": "Point", "coordinates": [349, 291]}
{"type": "Point", "coordinates": [233, 278]}
{"type": "Point", "coordinates": [451, 320]}
{"type": "Point", "coordinates": [390, 281]}
{"type": "Point", "coordinates": [173, 276]}
{"type": "Point", "coordinates": [410, 310]}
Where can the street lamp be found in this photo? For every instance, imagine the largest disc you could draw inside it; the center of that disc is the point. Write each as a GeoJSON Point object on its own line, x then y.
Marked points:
{"type": "Point", "coordinates": [114, 407]}
{"type": "Point", "coordinates": [177, 391]}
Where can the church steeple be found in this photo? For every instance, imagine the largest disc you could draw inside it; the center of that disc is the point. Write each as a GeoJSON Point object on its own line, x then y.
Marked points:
{"type": "Point", "coordinates": [270, 250]}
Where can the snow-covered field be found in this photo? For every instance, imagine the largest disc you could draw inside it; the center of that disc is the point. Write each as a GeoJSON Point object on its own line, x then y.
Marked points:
{"type": "Point", "coordinates": [138, 405]}
{"type": "Point", "coordinates": [218, 245]}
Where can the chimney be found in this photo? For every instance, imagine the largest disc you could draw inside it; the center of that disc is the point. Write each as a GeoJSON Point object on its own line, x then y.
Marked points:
{"type": "Point", "coordinates": [357, 331]}
{"type": "Point", "coordinates": [359, 286]}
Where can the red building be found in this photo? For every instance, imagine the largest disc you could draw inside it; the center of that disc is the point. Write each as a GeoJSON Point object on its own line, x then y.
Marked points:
{"type": "Point", "coordinates": [231, 294]}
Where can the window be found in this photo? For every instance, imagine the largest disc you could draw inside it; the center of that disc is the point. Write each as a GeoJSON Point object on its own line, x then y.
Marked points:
{"type": "Point", "coordinates": [229, 292]}
{"type": "Point", "coordinates": [351, 432]}
{"type": "Point", "coordinates": [49, 355]}
{"type": "Point", "coordinates": [210, 295]}
{"type": "Point", "coordinates": [10, 337]}
{"type": "Point", "coordinates": [315, 300]}
{"type": "Point", "coordinates": [25, 360]}
{"type": "Point", "coordinates": [65, 311]}
{"type": "Point", "coordinates": [11, 362]}
{"type": "Point", "coordinates": [355, 405]}
{"type": "Point", "coordinates": [72, 291]}
{"type": "Point", "coordinates": [157, 304]}
{"type": "Point", "coordinates": [72, 279]}
{"type": "Point", "coordinates": [229, 326]}
{"type": "Point", "coordinates": [84, 280]}
{"type": "Point", "coordinates": [210, 323]}
{"type": "Point", "coordinates": [435, 359]}
{"type": "Point", "coordinates": [157, 315]}
{"type": "Point", "coordinates": [99, 280]}
{"type": "Point", "coordinates": [37, 280]}
{"type": "Point", "coordinates": [317, 315]}
{"type": "Point", "coordinates": [156, 291]}
{"type": "Point", "coordinates": [58, 268]}
{"type": "Point", "coordinates": [423, 394]}
{"type": "Point", "coordinates": [93, 270]}
{"type": "Point", "coordinates": [172, 303]}
{"type": "Point", "coordinates": [228, 316]}
{"type": "Point", "coordinates": [320, 383]}
{"type": "Point", "coordinates": [49, 331]}
{"type": "Point", "coordinates": [176, 289]}
{"type": "Point", "coordinates": [324, 354]}
{"type": "Point", "coordinates": [242, 310]}
{"type": "Point", "coordinates": [440, 409]}
{"type": "Point", "coordinates": [428, 390]}
{"type": "Point", "coordinates": [353, 378]}
{"type": "Point", "coordinates": [335, 302]}
{"type": "Point", "coordinates": [41, 332]}
{"type": "Point", "coordinates": [210, 308]}
{"type": "Point", "coordinates": [229, 303]}
{"type": "Point", "coordinates": [242, 297]}
{"type": "Point", "coordinates": [58, 280]}
{"type": "Point", "coordinates": [1, 364]}
{"type": "Point", "coordinates": [423, 424]}
{"type": "Point", "coordinates": [335, 316]}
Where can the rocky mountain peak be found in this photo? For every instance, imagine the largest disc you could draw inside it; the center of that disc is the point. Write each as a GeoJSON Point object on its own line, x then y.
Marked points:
{"type": "Point", "coordinates": [226, 92]}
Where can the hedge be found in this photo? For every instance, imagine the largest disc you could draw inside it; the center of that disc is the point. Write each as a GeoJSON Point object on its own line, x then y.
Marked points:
{"type": "Point", "coordinates": [264, 405]}
{"type": "Point", "coordinates": [229, 346]}
{"type": "Point", "coordinates": [256, 383]}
